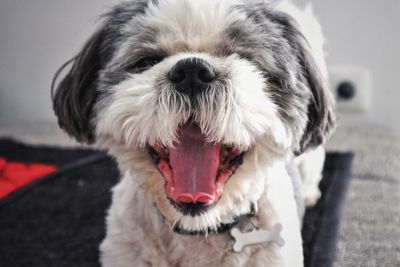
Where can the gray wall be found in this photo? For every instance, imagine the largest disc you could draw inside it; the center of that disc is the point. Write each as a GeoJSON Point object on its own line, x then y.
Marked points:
{"type": "Point", "coordinates": [366, 33]}
{"type": "Point", "coordinates": [37, 36]}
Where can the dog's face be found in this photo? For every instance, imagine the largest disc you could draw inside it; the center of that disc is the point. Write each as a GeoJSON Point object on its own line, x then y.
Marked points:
{"type": "Point", "coordinates": [194, 99]}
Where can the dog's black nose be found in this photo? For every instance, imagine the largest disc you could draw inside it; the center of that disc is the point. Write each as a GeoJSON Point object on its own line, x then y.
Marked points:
{"type": "Point", "coordinates": [191, 76]}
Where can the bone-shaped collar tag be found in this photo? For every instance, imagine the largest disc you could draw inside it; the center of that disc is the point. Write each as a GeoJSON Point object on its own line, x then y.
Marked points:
{"type": "Point", "coordinates": [255, 237]}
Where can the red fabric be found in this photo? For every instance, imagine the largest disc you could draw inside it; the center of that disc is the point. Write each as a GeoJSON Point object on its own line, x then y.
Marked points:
{"type": "Point", "coordinates": [14, 175]}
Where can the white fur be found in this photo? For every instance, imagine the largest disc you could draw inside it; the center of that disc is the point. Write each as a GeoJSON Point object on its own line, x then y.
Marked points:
{"type": "Point", "coordinates": [137, 235]}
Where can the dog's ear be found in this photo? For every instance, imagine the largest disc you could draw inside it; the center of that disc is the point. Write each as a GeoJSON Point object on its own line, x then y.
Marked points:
{"type": "Point", "coordinates": [321, 109]}
{"type": "Point", "coordinates": [76, 93]}
{"type": "Point", "coordinates": [74, 96]}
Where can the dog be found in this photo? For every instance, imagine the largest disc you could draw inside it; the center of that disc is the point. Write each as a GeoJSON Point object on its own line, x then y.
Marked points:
{"type": "Point", "coordinates": [203, 104]}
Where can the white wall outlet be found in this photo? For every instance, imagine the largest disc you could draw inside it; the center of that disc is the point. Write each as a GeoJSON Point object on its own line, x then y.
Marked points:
{"type": "Point", "coordinates": [351, 88]}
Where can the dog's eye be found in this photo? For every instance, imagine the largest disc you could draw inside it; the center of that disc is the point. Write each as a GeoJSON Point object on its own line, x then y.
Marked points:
{"type": "Point", "coordinates": [144, 64]}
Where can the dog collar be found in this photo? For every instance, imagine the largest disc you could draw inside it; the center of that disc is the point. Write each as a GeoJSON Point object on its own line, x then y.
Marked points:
{"type": "Point", "coordinates": [243, 239]}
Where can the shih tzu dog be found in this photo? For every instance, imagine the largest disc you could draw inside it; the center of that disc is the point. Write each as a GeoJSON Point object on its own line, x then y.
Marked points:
{"type": "Point", "coordinates": [204, 104]}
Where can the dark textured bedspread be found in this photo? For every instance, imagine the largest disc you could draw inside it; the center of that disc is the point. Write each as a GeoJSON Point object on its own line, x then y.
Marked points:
{"type": "Point", "coordinates": [58, 220]}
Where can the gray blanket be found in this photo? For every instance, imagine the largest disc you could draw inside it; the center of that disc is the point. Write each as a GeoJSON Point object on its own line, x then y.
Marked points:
{"type": "Point", "coordinates": [370, 227]}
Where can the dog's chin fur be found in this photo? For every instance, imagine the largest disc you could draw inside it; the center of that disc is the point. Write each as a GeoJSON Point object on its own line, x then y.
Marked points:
{"type": "Point", "coordinates": [269, 100]}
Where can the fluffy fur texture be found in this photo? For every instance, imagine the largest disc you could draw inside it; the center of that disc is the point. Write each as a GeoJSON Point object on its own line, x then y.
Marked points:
{"type": "Point", "coordinates": [269, 100]}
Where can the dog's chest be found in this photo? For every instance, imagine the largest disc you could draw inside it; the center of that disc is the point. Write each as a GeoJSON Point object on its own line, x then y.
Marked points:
{"type": "Point", "coordinates": [217, 251]}
{"type": "Point", "coordinates": [213, 250]}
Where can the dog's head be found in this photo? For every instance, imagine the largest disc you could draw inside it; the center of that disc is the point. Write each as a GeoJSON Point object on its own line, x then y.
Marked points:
{"type": "Point", "coordinates": [194, 99]}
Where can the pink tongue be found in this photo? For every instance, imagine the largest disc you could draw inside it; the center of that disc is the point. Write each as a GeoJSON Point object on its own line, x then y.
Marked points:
{"type": "Point", "coordinates": [194, 163]}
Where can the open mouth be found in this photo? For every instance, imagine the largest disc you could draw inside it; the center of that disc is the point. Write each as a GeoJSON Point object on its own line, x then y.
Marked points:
{"type": "Point", "coordinates": [195, 170]}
